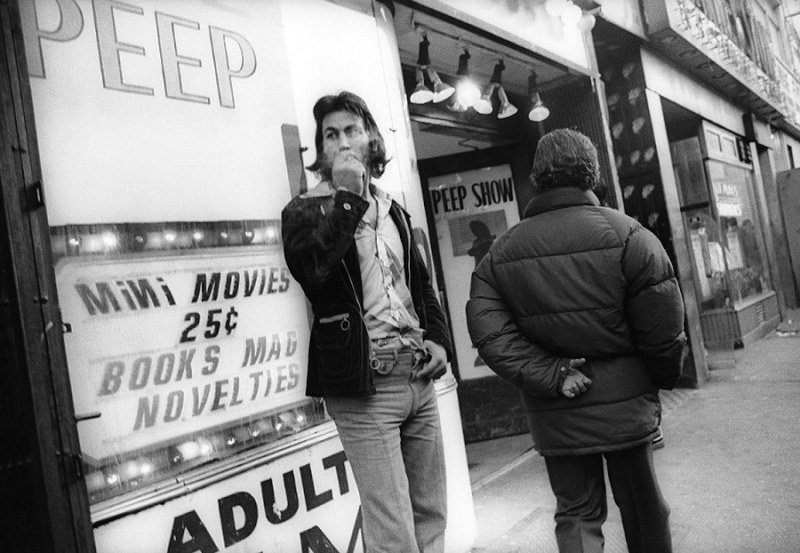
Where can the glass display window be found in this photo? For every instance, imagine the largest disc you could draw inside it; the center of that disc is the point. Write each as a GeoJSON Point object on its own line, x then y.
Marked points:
{"type": "Point", "coordinates": [739, 233]}
{"type": "Point", "coordinates": [717, 197]}
{"type": "Point", "coordinates": [169, 134]}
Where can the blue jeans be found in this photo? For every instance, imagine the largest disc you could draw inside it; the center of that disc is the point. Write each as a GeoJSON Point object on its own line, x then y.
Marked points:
{"type": "Point", "coordinates": [393, 441]}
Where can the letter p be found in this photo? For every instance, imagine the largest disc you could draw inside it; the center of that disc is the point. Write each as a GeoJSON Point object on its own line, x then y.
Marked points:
{"type": "Point", "coordinates": [70, 25]}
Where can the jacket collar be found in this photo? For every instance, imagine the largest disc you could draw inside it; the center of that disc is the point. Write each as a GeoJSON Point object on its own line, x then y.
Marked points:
{"type": "Point", "coordinates": [558, 198]}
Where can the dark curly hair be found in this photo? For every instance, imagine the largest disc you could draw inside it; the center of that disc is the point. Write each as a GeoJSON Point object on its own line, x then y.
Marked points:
{"type": "Point", "coordinates": [565, 157]}
{"type": "Point", "coordinates": [351, 103]}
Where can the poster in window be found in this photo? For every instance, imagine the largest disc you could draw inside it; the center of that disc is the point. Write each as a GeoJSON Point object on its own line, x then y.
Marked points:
{"type": "Point", "coordinates": [471, 209]}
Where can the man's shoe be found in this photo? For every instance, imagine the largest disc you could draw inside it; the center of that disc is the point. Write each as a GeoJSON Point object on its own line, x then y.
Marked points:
{"type": "Point", "coordinates": [658, 440]}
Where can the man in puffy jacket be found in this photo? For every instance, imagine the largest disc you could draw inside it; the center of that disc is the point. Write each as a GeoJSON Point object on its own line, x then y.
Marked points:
{"type": "Point", "coordinates": [578, 306]}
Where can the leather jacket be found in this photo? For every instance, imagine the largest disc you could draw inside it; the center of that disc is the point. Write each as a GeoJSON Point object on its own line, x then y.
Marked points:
{"type": "Point", "coordinates": [320, 251]}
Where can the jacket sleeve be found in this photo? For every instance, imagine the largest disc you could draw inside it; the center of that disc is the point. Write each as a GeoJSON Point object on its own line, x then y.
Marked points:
{"type": "Point", "coordinates": [502, 344]}
{"type": "Point", "coordinates": [436, 328]}
{"type": "Point", "coordinates": [654, 306]}
{"type": "Point", "coordinates": [314, 243]}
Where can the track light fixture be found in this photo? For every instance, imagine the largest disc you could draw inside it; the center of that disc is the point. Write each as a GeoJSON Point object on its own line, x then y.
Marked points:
{"type": "Point", "coordinates": [507, 109]}
{"type": "Point", "coordinates": [422, 94]}
{"type": "Point", "coordinates": [539, 112]}
{"type": "Point", "coordinates": [483, 105]}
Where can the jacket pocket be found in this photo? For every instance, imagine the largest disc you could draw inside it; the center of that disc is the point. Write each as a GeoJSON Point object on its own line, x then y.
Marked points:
{"type": "Point", "coordinates": [338, 336]}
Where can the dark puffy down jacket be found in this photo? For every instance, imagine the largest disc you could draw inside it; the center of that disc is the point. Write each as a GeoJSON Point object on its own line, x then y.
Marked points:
{"type": "Point", "coordinates": [573, 280]}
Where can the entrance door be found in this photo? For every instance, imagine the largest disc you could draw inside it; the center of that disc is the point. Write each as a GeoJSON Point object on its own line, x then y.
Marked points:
{"type": "Point", "coordinates": [471, 199]}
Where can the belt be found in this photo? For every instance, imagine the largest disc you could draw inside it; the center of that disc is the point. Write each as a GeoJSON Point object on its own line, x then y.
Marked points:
{"type": "Point", "coordinates": [384, 360]}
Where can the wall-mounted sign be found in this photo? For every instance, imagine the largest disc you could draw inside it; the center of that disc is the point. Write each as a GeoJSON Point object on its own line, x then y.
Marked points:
{"type": "Point", "coordinates": [167, 347]}
{"type": "Point", "coordinates": [306, 501]}
{"type": "Point", "coordinates": [726, 198]}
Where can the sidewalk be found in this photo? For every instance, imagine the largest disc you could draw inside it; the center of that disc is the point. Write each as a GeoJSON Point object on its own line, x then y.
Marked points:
{"type": "Point", "coordinates": [729, 471]}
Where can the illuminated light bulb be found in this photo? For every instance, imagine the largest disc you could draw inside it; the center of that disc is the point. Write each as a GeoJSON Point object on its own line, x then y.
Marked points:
{"type": "Point", "coordinates": [74, 242]}
{"type": "Point", "coordinates": [112, 478]}
{"type": "Point", "coordinates": [197, 235]}
{"type": "Point", "coordinates": [467, 93]}
{"type": "Point", "coordinates": [130, 469]}
{"type": "Point", "coordinates": [146, 468]}
{"type": "Point", "coordinates": [205, 448]}
{"type": "Point", "coordinates": [223, 234]}
{"type": "Point", "coordinates": [231, 440]}
{"type": "Point", "coordinates": [571, 15]}
{"type": "Point", "coordinates": [248, 233]}
{"type": "Point", "coordinates": [271, 234]}
{"type": "Point", "coordinates": [300, 417]}
{"type": "Point", "coordinates": [189, 450]}
{"type": "Point", "coordinates": [169, 236]}
{"type": "Point", "coordinates": [109, 239]}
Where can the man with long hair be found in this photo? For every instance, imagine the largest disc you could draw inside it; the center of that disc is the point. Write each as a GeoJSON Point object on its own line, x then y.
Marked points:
{"type": "Point", "coordinates": [578, 306]}
{"type": "Point", "coordinates": [379, 337]}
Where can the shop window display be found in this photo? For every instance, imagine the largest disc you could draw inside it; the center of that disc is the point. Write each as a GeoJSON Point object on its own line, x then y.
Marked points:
{"type": "Point", "coordinates": [724, 230]}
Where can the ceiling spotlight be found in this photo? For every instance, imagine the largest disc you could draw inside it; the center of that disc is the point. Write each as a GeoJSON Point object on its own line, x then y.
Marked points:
{"type": "Point", "coordinates": [441, 90]}
{"type": "Point", "coordinates": [422, 94]}
{"type": "Point", "coordinates": [507, 109]}
{"type": "Point", "coordinates": [483, 105]}
{"type": "Point", "coordinates": [467, 92]}
{"type": "Point", "coordinates": [539, 111]}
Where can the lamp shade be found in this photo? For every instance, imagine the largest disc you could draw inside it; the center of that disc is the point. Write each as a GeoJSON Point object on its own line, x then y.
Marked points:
{"type": "Point", "coordinates": [539, 112]}
{"type": "Point", "coordinates": [441, 90]}
{"type": "Point", "coordinates": [483, 105]}
{"type": "Point", "coordinates": [422, 94]}
{"type": "Point", "coordinates": [507, 109]}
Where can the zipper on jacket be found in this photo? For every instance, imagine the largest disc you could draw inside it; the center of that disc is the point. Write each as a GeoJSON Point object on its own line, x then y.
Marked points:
{"type": "Point", "coordinates": [373, 361]}
{"type": "Point", "coordinates": [342, 318]}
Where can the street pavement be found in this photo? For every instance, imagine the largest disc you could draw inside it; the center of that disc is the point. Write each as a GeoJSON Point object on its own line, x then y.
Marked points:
{"type": "Point", "coordinates": [729, 471]}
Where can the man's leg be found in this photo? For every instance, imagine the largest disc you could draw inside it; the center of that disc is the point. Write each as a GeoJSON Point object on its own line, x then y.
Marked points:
{"type": "Point", "coordinates": [423, 453]}
{"type": "Point", "coordinates": [579, 486]}
{"type": "Point", "coordinates": [369, 428]}
{"type": "Point", "coordinates": [645, 514]}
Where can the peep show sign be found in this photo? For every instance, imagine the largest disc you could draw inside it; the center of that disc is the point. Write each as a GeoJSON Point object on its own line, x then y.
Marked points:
{"type": "Point", "coordinates": [471, 209]}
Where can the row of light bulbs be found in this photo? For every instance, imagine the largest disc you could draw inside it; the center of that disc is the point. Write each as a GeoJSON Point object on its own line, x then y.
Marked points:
{"type": "Point", "coordinates": [467, 93]}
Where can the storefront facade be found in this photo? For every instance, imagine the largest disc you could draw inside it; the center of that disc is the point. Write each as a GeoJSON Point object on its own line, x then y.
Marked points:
{"type": "Point", "coordinates": [698, 114]}
{"type": "Point", "coordinates": [163, 139]}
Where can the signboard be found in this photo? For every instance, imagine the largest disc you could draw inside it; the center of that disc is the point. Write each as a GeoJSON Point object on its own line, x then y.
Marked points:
{"type": "Point", "coordinates": [306, 501]}
{"type": "Point", "coordinates": [726, 197]}
{"type": "Point", "coordinates": [471, 210]}
{"type": "Point", "coordinates": [202, 343]}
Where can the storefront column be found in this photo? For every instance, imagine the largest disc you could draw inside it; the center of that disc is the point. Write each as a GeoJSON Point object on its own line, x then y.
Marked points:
{"type": "Point", "coordinates": [763, 176]}
{"type": "Point", "coordinates": [679, 236]}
